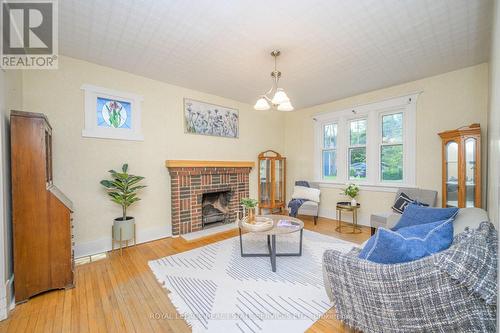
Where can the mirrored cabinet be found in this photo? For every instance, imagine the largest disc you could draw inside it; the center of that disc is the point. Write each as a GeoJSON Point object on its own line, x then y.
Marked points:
{"type": "Point", "coordinates": [461, 153]}
{"type": "Point", "coordinates": [272, 178]}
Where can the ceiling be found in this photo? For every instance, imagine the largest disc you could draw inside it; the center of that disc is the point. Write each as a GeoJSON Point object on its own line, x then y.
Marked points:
{"type": "Point", "coordinates": [330, 49]}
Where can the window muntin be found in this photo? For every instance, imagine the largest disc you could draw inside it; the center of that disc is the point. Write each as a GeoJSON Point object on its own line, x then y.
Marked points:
{"type": "Point", "coordinates": [391, 148]}
{"type": "Point", "coordinates": [357, 132]}
{"type": "Point", "coordinates": [392, 128]}
{"type": "Point", "coordinates": [329, 152]}
{"type": "Point", "coordinates": [357, 149]}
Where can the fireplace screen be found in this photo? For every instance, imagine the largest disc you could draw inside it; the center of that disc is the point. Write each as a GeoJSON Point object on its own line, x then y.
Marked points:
{"type": "Point", "coordinates": [215, 207]}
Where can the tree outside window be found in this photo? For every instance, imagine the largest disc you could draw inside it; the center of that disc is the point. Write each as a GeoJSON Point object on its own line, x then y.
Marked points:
{"type": "Point", "coordinates": [391, 148]}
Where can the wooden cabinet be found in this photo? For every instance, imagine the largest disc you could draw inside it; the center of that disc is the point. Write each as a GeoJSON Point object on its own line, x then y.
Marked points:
{"type": "Point", "coordinates": [41, 213]}
{"type": "Point", "coordinates": [461, 153]}
{"type": "Point", "coordinates": [272, 178]}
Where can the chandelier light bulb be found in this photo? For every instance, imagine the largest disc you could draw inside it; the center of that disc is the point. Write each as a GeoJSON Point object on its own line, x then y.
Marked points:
{"type": "Point", "coordinates": [261, 104]}
{"type": "Point", "coordinates": [287, 106]}
{"type": "Point", "coordinates": [280, 97]}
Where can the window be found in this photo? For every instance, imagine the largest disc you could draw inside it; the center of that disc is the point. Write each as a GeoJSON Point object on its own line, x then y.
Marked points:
{"type": "Point", "coordinates": [357, 149]}
{"type": "Point", "coordinates": [373, 144]}
{"type": "Point", "coordinates": [329, 153]}
{"type": "Point", "coordinates": [391, 148]}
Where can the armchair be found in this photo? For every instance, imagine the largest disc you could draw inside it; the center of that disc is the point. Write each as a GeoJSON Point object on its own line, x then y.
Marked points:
{"type": "Point", "coordinates": [309, 208]}
{"type": "Point", "coordinates": [451, 291]}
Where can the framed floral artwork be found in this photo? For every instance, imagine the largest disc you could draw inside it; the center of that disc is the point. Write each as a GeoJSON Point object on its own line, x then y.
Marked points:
{"type": "Point", "coordinates": [210, 119]}
{"type": "Point", "coordinates": [112, 114]}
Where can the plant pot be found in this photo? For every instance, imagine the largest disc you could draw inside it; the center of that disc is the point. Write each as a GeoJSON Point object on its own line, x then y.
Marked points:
{"type": "Point", "coordinates": [354, 202]}
{"type": "Point", "coordinates": [126, 227]}
{"type": "Point", "coordinates": [251, 215]}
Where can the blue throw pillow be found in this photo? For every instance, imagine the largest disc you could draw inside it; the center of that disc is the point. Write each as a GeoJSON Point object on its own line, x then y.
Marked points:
{"type": "Point", "coordinates": [415, 214]}
{"type": "Point", "coordinates": [408, 244]}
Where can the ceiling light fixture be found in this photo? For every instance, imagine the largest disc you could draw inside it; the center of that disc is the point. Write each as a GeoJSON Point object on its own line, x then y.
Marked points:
{"type": "Point", "coordinates": [279, 99]}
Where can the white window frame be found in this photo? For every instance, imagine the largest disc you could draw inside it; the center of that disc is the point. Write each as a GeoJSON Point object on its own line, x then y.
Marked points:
{"type": "Point", "coordinates": [381, 144]}
{"type": "Point", "coordinates": [373, 112]}
{"type": "Point", "coordinates": [349, 147]}
{"type": "Point", "coordinates": [323, 148]}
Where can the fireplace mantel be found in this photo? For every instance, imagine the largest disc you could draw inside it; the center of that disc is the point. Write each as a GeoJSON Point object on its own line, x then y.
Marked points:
{"type": "Point", "coordinates": [208, 164]}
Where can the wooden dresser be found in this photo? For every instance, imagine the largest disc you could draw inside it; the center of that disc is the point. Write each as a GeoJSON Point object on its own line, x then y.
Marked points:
{"type": "Point", "coordinates": [41, 213]}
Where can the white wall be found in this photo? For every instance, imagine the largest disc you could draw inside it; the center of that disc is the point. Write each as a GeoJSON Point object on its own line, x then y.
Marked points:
{"type": "Point", "coordinates": [494, 123]}
{"type": "Point", "coordinates": [448, 101]}
{"type": "Point", "coordinates": [80, 163]}
{"type": "Point", "coordinates": [10, 98]}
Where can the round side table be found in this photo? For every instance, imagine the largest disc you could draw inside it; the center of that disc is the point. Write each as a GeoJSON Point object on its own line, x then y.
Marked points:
{"type": "Point", "coordinates": [346, 207]}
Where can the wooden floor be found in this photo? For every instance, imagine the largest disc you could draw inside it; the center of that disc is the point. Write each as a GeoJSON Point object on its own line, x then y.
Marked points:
{"type": "Point", "coordinates": [121, 294]}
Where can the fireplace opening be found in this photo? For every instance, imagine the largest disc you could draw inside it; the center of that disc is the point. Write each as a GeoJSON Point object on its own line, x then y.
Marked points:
{"type": "Point", "coordinates": [215, 208]}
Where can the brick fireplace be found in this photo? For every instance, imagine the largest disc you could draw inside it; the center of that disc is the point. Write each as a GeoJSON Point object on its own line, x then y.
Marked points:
{"type": "Point", "coordinates": [190, 180]}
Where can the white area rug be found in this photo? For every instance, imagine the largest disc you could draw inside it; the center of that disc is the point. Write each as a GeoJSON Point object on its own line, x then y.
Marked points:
{"type": "Point", "coordinates": [216, 290]}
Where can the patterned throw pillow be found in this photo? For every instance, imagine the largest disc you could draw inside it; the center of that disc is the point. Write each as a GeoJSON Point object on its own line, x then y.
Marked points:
{"type": "Point", "coordinates": [401, 202]}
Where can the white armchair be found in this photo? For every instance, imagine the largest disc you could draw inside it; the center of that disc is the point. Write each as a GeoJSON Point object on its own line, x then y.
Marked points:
{"type": "Point", "coordinates": [310, 208]}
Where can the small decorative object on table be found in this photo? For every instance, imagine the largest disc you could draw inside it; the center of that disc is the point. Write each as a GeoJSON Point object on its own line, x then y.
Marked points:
{"type": "Point", "coordinates": [288, 224]}
{"type": "Point", "coordinates": [259, 224]}
{"type": "Point", "coordinates": [351, 191]}
{"type": "Point", "coordinates": [123, 190]}
{"type": "Point", "coordinates": [250, 206]}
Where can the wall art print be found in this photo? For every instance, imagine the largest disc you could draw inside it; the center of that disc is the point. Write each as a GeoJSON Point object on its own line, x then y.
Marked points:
{"type": "Point", "coordinates": [112, 114]}
{"type": "Point", "coordinates": [210, 119]}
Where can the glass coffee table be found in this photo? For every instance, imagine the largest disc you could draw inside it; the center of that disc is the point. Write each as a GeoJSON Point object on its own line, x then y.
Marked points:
{"type": "Point", "coordinates": [281, 225]}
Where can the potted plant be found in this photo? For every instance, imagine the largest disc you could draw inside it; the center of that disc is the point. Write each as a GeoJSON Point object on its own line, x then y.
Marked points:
{"type": "Point", "coordinates": [123, 190]}
{"type": "Point", "coordinates": [250, 205]}
{"type": "Point", "coordinates": [351, 191]}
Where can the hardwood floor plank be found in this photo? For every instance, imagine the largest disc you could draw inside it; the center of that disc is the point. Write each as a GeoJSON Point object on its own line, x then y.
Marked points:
{"type": "Point", "coordinates": [66, 315]}
{"type": "Point", "coordinates": [112, 319]}
{"type": "Point", "coordinates": [121, 293]}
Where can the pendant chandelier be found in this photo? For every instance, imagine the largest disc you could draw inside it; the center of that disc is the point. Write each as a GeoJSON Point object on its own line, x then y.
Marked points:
{"type": "Point", "coordinates": [279, 99]}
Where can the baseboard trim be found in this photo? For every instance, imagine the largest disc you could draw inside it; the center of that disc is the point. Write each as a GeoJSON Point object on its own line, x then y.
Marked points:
{"type": "Point", "coordinates": [83, 249]}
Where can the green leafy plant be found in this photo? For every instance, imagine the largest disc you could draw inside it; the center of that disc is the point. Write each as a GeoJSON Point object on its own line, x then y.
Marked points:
{"type": "Point", "coordinates": [351, 190]}
{"type": "Point", "coordinates": [249, 203]}
{"type": "Point", "coordinates": [123, 188]}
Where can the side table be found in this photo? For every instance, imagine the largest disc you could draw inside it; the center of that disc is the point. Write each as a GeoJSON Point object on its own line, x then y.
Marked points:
{"type": "Point", "coordinates": [345, 206]}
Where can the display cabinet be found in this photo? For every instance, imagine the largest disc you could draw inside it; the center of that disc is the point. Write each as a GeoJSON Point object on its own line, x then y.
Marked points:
{"type": "Point", "coordinates": [272, 178]}
{"type": "Point", "coordinates": [461, 153]}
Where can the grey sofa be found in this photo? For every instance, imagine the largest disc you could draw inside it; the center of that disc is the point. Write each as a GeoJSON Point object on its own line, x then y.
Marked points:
{"type": "Point", "coordinates": [451, 291]}
{"type": "Point", "coordinates": [389, 218]}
